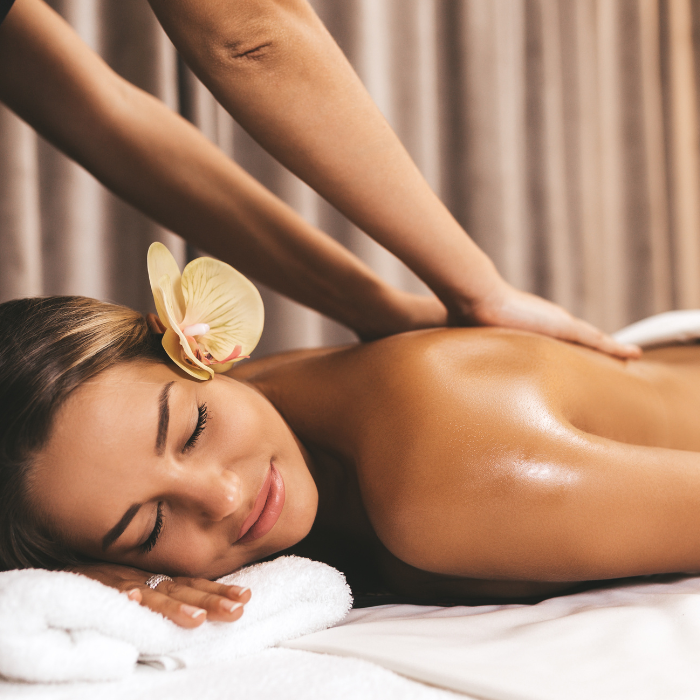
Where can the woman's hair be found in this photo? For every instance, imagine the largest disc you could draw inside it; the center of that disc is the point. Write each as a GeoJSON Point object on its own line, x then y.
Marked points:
{"type": "Point", "coordinates": [48, 348]}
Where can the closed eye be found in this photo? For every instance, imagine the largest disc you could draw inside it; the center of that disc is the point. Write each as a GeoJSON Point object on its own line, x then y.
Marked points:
{"type": "Point", "coordinates": [202, 417]}
{"type": "Point", "coordinates": [150, 543]}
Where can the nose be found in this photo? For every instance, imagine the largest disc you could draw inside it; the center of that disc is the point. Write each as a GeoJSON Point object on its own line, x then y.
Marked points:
{"type": "Point", "coordinates": [212, 490]}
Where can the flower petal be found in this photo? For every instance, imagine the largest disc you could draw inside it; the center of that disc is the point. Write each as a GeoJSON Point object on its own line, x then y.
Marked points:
{"type": "Point", "coordinates": [163, 296]}
{"type": "Point", "coordinates": [161, 263]}
{"type": "Point", "coordinates": [176, 352]}
{"type": "Point", "coordinates": [228, 303]}
{"type": "Point", "coordinates": [174, 340]}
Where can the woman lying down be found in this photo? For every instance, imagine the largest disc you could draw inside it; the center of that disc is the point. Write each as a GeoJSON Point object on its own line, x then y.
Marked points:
{"type": "Point", "coordinates": [442, 463]}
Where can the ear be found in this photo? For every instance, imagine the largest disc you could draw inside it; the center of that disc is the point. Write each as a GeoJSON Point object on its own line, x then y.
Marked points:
{"type": "Point", "coordinates": [155, 324]}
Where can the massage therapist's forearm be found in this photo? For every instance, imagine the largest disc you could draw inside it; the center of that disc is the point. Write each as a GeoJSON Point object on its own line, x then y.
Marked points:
{"type": "Point", "coordinates": [274, 66]}
{"type": "Point", "coordinates": [161, 164]}
{"type": "Point", "coordinates": [278, 71]}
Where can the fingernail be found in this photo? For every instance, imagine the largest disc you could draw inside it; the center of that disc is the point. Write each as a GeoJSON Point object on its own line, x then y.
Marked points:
{"type": "Point", "coordinates": [192, 611]}
{"type": "Point", "coordinates": [238, 590]}
{"type": "Point", "coordinates": [134, 594]}
{"type": "Point", "coordinates": [230, 606]}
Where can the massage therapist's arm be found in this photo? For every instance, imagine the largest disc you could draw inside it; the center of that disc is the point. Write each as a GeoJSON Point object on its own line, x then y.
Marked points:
{"type": "Point", "coordinates": [161, 164]}
{"type": "Point", "coordinates": [276, 69]}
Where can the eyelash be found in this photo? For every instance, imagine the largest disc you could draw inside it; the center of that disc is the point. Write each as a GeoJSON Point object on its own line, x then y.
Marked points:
{"type": "Point", "coordinates": [199, 429]}
{"type": "Point", "coordinates": [150, 543]}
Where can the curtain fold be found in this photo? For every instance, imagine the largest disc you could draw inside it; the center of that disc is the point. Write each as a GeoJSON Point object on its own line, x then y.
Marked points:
{"type": "Point", "coordinates": [563, 135]}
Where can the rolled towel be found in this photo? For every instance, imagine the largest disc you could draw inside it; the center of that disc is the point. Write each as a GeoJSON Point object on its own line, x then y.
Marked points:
{"type": "Point", "coordinates": [662, 329]}
{"type": "Point", "coordinates": [60, 627]}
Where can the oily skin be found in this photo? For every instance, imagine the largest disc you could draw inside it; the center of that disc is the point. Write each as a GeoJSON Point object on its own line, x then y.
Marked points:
{"type": "Point", "coordinates": [485, 461]}
{"type": "Point", "coordinates": [504, 463]}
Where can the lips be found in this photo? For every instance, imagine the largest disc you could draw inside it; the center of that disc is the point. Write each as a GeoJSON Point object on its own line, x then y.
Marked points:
{"type": "Point", "coordinates": [266, 510]}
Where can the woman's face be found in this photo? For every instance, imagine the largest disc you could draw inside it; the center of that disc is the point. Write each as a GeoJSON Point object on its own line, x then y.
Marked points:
{"type": "Point", "coordinates": [148, 468]}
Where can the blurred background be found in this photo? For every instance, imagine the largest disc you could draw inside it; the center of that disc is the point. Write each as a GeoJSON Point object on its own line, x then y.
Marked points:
{"type": "Point", "coordinates": [562, 134]}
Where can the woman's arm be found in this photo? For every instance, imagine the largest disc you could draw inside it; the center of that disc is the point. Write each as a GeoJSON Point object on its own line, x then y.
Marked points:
{"type": "Point", "coordinates": [562, 505]}
{"type": "Point", "coordinates": [275, 68]}
{"type": "Point", "coordinates": [161, 164]}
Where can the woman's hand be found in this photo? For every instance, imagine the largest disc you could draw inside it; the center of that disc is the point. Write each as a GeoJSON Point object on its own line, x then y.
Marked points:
{"type": "Point", "coordinates": [511, 308]}
{"type": "Point", "coordinates": [185, 601]}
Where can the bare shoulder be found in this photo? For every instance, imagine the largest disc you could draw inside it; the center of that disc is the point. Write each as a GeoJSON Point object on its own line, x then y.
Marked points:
{"type": "Point", "coordinates": [445, 373]}
{"type": "Point", "coordinates": [450, 436]}
{"type": "Point", "coordinates": [477, 350]}
{"type": "Point", "coordinates": [429, 350]}
{"type": "Point", "coordinates": [479, 474]}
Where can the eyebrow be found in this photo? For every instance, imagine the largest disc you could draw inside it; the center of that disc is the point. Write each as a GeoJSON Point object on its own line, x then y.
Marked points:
{"type": "Point", "coordinates": [163, 418]}
{"type": "Point", "coordinates": [116, 532]}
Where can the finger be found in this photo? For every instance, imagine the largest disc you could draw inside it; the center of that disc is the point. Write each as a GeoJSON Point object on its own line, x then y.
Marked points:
{"type": "Point", "coordinates": [218, 607]}
{"type": "Point", "coordinates": [181, 613]}
{"type": "Point", "coordinates": [586, 334]}
{"type": "Point", "coordinates": [238, 593]}
{"type": "Point", "coordinates": [624, 351]}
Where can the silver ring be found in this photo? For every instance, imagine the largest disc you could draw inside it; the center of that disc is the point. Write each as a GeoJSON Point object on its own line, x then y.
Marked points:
{"type": "Point", "coordinates": [156, 579]}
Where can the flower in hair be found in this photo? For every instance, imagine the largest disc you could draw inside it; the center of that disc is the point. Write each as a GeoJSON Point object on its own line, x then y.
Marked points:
{"type": "Point", "coordinates": [213, 315]}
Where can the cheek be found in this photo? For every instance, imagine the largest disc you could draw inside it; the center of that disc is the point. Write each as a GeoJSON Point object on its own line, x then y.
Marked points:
{"type": "Point", "coordinates": [300, 503]}
{"type": "Point", "coordinates": [194, 552]}
{"type": "Point", "coordinates": [240, 433]}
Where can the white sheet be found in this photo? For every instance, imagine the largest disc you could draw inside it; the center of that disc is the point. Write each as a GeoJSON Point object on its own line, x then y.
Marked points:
{"type": "Point", "coordinates": [639, 641]}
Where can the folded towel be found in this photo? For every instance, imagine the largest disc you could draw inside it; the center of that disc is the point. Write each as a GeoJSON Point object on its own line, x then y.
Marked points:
{"type": "Point", "coordinates": [662, 329]}
{"type": "Point", "coordinates": [58, 626]}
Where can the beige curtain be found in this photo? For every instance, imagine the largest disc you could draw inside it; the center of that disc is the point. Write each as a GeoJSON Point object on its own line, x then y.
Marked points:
{"type": "Point", "coordinates": [563, 134]}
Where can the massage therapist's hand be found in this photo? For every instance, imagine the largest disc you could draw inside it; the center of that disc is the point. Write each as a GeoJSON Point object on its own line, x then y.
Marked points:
{"type": "Point", "coordinates": [509, 307]}
{"type": "Point", "coordinates": [186, 601]}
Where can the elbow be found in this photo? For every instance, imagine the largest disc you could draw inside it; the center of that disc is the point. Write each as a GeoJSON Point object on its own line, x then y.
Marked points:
{"type": "Point", "coordinates": [249, 32]}
{"type": "Point", "coordinates": [252, 41]}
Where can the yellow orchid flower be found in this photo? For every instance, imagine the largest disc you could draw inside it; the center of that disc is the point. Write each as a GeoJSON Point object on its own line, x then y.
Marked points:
{"type": "Point", "coordinates": [213, 315]}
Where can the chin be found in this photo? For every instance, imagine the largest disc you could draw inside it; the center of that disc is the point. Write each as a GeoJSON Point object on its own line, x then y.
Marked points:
{"type": "Point", "coordinates": [274, 543]}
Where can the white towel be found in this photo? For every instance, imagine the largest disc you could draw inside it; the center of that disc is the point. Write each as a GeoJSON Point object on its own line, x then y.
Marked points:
{"type": "Point", "coordinates": [662, 329]}
{"type": "Point", "coordinates": [58, 626]}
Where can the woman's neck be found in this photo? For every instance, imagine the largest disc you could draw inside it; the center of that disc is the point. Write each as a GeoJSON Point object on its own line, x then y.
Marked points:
{"type": "Point", "coordinates": [309, 396]}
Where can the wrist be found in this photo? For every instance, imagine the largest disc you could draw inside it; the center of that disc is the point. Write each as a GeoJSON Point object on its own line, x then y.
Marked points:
{"type": "Point", "coordinates": [480, 289]}
{"type": "Point", "coordinates": [400, 312]}
{"type": "Point", "coordinates": [460, 274]}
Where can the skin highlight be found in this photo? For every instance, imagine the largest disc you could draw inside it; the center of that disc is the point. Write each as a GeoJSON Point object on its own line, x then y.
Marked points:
{"type": "Point", "coordinates": [466, 462]}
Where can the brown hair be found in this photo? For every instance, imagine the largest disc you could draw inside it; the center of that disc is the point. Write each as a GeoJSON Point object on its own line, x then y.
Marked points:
{"type": "Point", "coordinates": [48, 348]}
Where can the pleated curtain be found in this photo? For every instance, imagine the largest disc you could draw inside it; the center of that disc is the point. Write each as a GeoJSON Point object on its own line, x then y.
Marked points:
{"type": "Point", "coordinates": [562, 134]}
